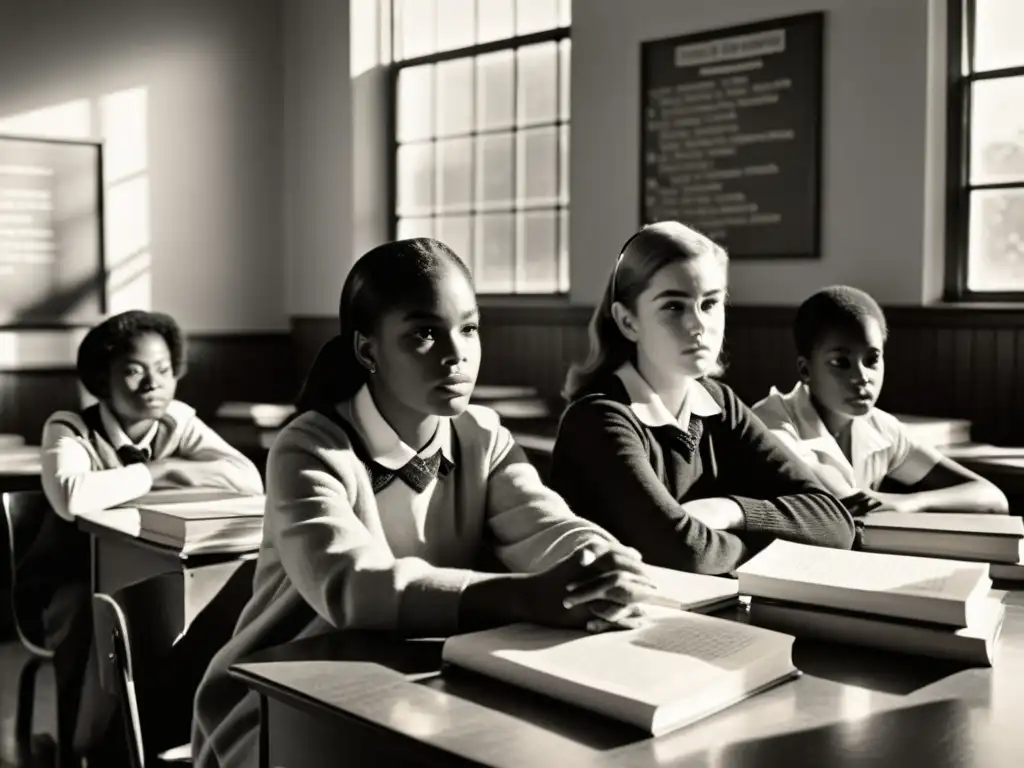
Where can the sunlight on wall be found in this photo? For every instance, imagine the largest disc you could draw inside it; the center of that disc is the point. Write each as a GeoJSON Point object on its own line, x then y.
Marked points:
{"type": "Point", "coordinates": [124, 127]}
{"type": "Point", "coordinates": [120, 120]}
{"type": "Point", "coordinates": [369, 35]}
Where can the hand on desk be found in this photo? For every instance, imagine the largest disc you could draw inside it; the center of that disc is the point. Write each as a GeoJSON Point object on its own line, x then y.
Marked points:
{"type": "Point", "coordinates": [876, 501]}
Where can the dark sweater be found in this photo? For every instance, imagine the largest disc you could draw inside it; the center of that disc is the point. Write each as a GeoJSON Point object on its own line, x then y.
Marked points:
{"type": "Point", "coordinates": [632, 479]}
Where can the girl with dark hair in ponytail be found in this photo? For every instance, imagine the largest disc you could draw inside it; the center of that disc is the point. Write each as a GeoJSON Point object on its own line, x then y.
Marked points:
{"type": "Point", "coordinates": [388, 493]}
{"type": "Point", "coordinates": [654, 448]}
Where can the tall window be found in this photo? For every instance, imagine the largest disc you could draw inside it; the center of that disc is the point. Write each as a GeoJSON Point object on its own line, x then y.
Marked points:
{"type": "Point", "coordinates": [481, 136]}
{"type": "Point", "coordinates": [986, 140]}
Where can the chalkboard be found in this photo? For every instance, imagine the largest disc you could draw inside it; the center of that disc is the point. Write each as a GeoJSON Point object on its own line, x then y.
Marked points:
{"type": "Point", "coordinates": [731, 135]}
{"type": "Point", "coordinates": [51, 233]}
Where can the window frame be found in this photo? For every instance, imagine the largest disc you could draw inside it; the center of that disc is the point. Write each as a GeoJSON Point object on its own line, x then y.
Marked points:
{"type": "Point", "coordinates": [556, 35]}
{"type": "Point", "coordinates": [961, 26]}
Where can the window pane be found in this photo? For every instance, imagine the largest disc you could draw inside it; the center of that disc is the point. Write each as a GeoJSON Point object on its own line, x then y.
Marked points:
{"type": "Point", "coordinates": [998, 25]}
{"type": "Point", "coordinates": [454, 97]}
{"type": "Point", "coordinates": [456, 24]}
{"type": "Point", "coordinates": [996, 249]}
{"type": "Point", "coordinates": [997, 130]}
{"type": "Point", "coordinates": [564, 59]}
{"type": "Point", "coordinates": [454, 179]}
{"type": "Point", "coordinates": [536, 15]}
{"type": "Point", "coordinates": [537, 243]}
{"type": "Point", "coordinates": [563, 165]}
{"type": "Point", "coordinates": [415, 27]}
{"type": "Point", "coordinates": [494, 256]}
{"type": "Point", "coordinates": [537, 80]}
{"type": "Point", "coordinates": [494, 98]}
{"type": "Point", "coordinates": [494, 171]}
{"type": "Point", "coordinates": [563, 251]}
{"type": "Point", "coordinates": [415, 179]}
{"type": "Point", "coordinates": [416, 103]}
{"type": "Point", "coordinates": [415, 228]}
{"type": "Point", "coordinates": [537, 167]}
{"type": "Point", "coordinates": [496, 20]}
{"type": "Point", "coordinates": [455, 232]}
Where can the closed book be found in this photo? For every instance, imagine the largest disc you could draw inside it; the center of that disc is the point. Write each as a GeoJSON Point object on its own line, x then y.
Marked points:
{"type": "Point", "coordinates": [214, 524]}
{"type": "Point", "coordinates": [670, 672]}
{"type": "Point", "coordinates": [973, 644]}
{"type": "Point", "coordinates": [938, 591]}
{"type": "Point", "coordinates": [963, 536]}
{"type": "Point", "coordinates": [1006, 572]}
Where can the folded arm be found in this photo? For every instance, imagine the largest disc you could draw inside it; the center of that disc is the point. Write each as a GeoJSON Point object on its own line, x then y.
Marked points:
{"type": "Point", "coordinates": [213, 463]}
{"type": "Point", "coordinates": [603, 465]}
{"type": "Point", "coordinates": [71, 484]}
{"type": "Point", "coordinates": [778, 493]}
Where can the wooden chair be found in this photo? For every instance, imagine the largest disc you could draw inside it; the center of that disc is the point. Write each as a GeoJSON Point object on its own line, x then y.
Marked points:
{"type": "Point", "coordinates": [153, 667]}
{"type": "Point", "coordinates": [44, 553]}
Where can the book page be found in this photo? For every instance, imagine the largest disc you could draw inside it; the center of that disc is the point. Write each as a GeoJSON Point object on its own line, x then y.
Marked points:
{"type": "Point", "coordinates": [646, 664]}
{"type": "Point", "coordinates": [865, 571]}
{"type": "Point", "coordinates": [682, 590]}
{"type": "Point", "coordinates": [957, 522]}
{"type": "Point", "coordinates": [236, 506]}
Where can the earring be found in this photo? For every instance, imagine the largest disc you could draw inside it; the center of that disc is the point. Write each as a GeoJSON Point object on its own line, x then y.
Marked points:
{"type": "Point", "coordinates": [372, 368]}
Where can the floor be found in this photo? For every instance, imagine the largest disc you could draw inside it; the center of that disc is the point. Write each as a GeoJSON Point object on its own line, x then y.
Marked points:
{"type": "Point", "coordinates": [12, 656]}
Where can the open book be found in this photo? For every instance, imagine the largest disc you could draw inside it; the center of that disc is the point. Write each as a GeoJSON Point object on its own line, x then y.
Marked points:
{"type": "Point", "coordinates": [685, 591]}
{"type": "Point", "coordinates": [993, 538]}
{"type": "Point", "coordinates": [973, 644]}
{"type": "Point", "coordinates": [675, 670]}
{"type": "Point", "coordinates": [924, 589]}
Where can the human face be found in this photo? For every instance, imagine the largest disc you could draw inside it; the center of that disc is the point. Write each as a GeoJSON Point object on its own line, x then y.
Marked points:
{"type": "Point", "coordinates": [427, 352]}
{"type": "Point", "coordinates": [847, 368]}
{"type": "Point", "coordinates": [679, 322]}
{"type": "Point", "coordinates": [142, 381]}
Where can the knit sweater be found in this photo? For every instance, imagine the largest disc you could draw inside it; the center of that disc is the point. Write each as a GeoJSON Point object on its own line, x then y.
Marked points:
{"type": "Point", "coordinates": [632, 479]}
{"type": "Point", "coordinates": [81, 470]}
{"type": "Point", "coordinates": [325, 561]}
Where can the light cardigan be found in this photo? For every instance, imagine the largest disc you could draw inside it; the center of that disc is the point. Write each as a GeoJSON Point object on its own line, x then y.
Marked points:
{"type": "Point", "coordinates": [81, 471]}
{"type": "Point", "coordinates": [325, 562]}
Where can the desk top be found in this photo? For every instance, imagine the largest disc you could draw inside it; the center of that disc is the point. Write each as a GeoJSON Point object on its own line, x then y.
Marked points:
{"type": "Point", "coordinates": [20, 460]}
{"type": "Point", "coordinates": [852, 707]}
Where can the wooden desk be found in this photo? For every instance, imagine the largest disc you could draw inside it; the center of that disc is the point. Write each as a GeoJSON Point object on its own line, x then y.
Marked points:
{"type": "Point", "coordinates": [372, 698]}
{"type": "Point", "coordinates": [120, 558]}
{"type": "Point", "coordinates": [20, 468]}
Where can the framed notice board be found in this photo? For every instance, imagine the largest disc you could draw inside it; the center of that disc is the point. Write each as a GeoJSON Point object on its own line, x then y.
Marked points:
{"type": "Point", "coordinates": [731, 135]}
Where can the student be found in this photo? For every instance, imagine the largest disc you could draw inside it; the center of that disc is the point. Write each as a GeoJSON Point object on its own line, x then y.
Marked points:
{"type": "Point", "coordinates": [655, 450]}
{"type": "Point", "coordinates": [136, 437]}
{"type": "Point", "coordinates": [392, 503]}
{"type": "Point", "coordinates": [830, 418]}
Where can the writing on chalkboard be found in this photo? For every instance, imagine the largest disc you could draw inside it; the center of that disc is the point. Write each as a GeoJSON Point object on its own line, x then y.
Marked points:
{"type": "Point", "coordinates": [731, 135]}
{"type": "Point", "coordinates": [737, 47]}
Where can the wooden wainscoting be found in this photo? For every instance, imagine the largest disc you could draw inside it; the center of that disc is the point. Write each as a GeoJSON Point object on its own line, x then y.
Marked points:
{"type": "Point", "coordinates": [249, 367]}
{"type": "Point", "coordinates": [965, 362]}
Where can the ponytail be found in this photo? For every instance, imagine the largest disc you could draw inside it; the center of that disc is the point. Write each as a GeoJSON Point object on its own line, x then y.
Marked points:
{"type": "Point", "coordinates": [335, 375]}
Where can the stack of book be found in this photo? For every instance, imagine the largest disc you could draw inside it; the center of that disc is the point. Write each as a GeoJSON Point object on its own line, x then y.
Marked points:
{"type": "Point", "coordinates": [994, 539]}
{"type": "Point", "coordinates": [676, 668]}
{"type": "Point", "coordinates": [916, 605]}
{"type": "Point", "coordinates": [197, 521]}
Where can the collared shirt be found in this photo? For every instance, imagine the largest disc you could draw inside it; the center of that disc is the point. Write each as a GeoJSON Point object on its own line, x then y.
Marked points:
{"type": "Point", "coordinates": [119, 439]}
{"type": "Point", "coordinates": [648, 406]}
{"type": "Point", "coordinates": [405, 515]}
{"type": "Point", "coordinates": [879, 444]}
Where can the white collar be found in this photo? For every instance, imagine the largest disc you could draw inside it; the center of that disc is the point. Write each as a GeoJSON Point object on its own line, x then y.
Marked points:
{"type": "Point", "coordinates": [117, 435]}
{"type": "Point", "coordinates": [652, 411]}
{"type": "Point", "coordinates": [865, 437]}
{"type": "Point", "coordinates": [383, 443]}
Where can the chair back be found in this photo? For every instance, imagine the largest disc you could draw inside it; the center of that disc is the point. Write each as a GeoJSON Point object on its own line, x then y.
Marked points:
{"type": "Point", "coordinates": [44, 553]}
{"type": "Point", "coordinates": [152, 663]}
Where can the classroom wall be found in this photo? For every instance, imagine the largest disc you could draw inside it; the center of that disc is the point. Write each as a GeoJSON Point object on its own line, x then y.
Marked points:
{"type": "Point", "coordinates": [883, 136]}
{"type": "Point", "coordinates": [188, 97]}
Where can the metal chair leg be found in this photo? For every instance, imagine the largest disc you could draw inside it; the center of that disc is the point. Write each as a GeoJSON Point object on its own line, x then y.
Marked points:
{"type": "Point", "coordinates": [23, 715]}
